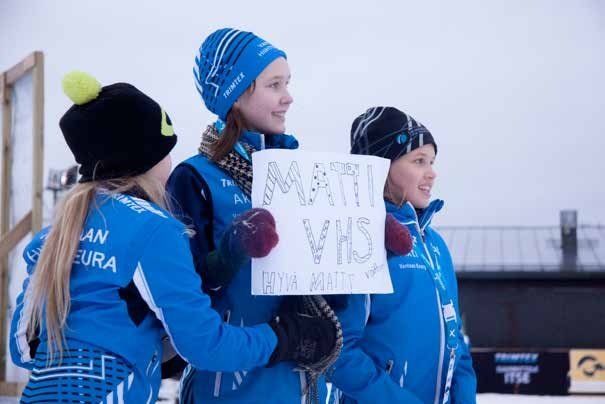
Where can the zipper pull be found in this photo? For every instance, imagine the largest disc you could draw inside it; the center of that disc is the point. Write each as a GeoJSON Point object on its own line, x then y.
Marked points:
{"type": "Point", "coordinates": [226, 316]}
{"type": "Point", "coordinates": [390, 365]}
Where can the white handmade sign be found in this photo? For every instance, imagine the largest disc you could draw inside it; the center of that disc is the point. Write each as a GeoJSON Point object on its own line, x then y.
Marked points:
{"type": "Point", "coordinates": [330, 215]}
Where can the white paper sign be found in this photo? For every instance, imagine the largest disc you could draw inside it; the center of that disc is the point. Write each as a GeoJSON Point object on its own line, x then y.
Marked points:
{"type": "Point", "coordinates": [329, 212]}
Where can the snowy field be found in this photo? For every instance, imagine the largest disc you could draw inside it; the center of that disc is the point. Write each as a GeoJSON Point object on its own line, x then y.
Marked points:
{"type": "Point", "coordinates": [481, 399]}
{"type": "Point", "coordinates": [169, 391]}
{"type": "Point", "coordinates": [170, 388]}
{"type": "Point", "coordinates": [516, 399]}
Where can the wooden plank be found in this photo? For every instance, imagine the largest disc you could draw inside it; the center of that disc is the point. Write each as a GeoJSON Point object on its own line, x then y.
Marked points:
{"type": "Point", "coordinates": [17, 71]}
{"type": "Point", "coordinates": [4, 96]}
{"type": "Point", "coordinates": [8, 389]}
{"type": "Point", "coordinates": [7, 158]}
{"type": "Point", "coordinates": [7, 243]}
{"type": "Point", "coordinates": [16, 234]}
{"type": "Point", "coordinates": [38, 142]}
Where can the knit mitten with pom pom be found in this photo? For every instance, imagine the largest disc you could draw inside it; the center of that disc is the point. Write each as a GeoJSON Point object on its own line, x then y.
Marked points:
{"type": "Point", "coordinates": [251, 234]}
{"type": "Point", "coordinates": [397, 237]}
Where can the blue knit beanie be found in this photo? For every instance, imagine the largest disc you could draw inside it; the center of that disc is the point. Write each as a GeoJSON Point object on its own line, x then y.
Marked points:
{"type": "Point", "coordinates": [229, 61]}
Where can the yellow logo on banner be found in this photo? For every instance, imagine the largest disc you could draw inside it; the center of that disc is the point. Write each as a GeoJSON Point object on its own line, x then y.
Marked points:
{"type": "Point", "coordinates": [587, 370]}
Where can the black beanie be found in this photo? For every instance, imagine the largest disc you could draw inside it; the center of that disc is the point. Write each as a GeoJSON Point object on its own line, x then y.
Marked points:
{"type": "Point", "coordinates": [114, 131]}
{"type": "Point", "coordinates": [387, 132]}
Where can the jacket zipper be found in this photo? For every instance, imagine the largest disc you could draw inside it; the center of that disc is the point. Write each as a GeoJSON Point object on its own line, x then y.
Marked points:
{"type": "Point", "coordinates": [442, 331]}
{"type": "Point", "coordinates": [390, 365]}
{"type": "Point", "coordinates": [219, 375]}
{"type": "Point", "coordinates": [441, 351]}
{"type": "Point", "coordinates": [154, 357]}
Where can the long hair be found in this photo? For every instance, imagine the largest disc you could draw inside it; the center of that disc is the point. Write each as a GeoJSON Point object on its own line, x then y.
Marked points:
{"type": "Point", "coordinates": [47, 300]}
{"type": "Point", "coordinates": [388, 193]}
{"type": "Point", "coordinates": [235, 125]}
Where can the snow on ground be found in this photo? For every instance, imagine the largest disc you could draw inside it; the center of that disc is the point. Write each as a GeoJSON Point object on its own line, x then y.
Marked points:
{"type": "Point", "coordinates": [169, 391]}
{"type": "Point", "coordinates": [518, 399]}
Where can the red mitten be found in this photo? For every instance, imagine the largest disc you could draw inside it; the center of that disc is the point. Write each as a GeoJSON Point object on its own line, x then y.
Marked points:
{"type": "Point", "coordinates": [397, 237]}
{"type": "Point", "coordinates": [252, 233]}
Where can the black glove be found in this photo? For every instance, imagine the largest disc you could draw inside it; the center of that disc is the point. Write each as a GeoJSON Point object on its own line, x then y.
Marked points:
{"type": "Point", "coordinates": [173, 367]}
{"type": "Point", "coordinates": [301, 338]}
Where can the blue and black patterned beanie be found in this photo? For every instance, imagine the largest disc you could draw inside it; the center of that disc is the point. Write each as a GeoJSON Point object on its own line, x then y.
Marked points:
{"type": "Point", "coordinates": [388, 132]}
{"type": "Point", "coordinates": [228, 61]}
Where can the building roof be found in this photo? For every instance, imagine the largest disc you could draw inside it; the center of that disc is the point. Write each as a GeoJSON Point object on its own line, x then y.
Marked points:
{"type": "Point", "coordinates": [522, 251]}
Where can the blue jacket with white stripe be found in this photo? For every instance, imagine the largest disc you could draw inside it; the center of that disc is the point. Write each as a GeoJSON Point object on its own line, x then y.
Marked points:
{"type": "Point", "coordinates": [208, 199]}
{"type": "Point", "coordinates": [395, 348]}
{"type": "Point", "coordinates": [132, 281]}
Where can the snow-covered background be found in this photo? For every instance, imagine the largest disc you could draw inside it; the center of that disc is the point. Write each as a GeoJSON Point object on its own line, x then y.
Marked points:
{"type": "Point", "coordinates": [513, 90]}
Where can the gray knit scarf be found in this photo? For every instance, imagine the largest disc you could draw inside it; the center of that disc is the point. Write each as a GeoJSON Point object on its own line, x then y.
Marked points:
{"type": "Point", "coordinates": [240, 169]}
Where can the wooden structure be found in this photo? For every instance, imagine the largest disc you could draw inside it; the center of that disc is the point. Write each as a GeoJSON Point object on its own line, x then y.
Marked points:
{"type": "Point", "coordinates": [32, 221]}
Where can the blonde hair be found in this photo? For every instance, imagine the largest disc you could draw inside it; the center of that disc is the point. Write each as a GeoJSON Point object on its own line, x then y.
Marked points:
{"type": "Point", "coordinates": [47, 299]}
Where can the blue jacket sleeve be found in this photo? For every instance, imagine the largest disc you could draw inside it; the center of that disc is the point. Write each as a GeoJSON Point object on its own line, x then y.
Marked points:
{"type": "Point", "coordinates": [189, 203]}
{"type": "Point", "coordinates": [355, 374]}
{"type": "Point", "coordinates": [22, 348]}
{"type": "Point", "coordinates": [21, 353]}
{"type": "Point", "coordinates": [165, 278]}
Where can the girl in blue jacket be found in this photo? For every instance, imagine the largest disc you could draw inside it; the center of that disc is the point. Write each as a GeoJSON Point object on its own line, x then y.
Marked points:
{"type": "Point", "coordinates": [243, 79]}
{"type": "Point", "coordinates": [405, 347]}
{"type": "Point", "coordinates": [112, 281]}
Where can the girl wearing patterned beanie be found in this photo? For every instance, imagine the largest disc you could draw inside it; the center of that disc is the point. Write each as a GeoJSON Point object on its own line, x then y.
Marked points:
{"type": "Point", "coordinates": [113, 278]}
{"type": "Point", "coordinates": [406, 347]}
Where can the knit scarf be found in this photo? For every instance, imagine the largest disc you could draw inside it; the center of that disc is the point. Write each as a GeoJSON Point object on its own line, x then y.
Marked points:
{"type": "Point", "coordinates": [240, 169]}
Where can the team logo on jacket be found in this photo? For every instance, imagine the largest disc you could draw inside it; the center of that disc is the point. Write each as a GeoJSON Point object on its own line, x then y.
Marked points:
{"type": "Point", "coordinates": [436, 250]}
{"type": "Point", "coordinates": [148, 207]}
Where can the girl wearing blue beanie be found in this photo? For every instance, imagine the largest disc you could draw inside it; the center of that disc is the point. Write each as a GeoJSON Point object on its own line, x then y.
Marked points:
{"type": "Point", "coordinates": [243, 79]}
{"type": "Point", "coordinates": [111, 284]}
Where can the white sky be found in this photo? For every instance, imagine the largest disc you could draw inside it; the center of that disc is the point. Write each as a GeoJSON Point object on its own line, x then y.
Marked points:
{"type": "Point", "coordinates": [512, 90]}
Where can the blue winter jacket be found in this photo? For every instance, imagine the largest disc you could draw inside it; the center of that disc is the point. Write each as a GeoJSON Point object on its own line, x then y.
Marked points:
{"type": "Point", "coordinates": [133, 281]}
{"type": "Point", "coordinates": [395, 348]}
{"type": "Point", "coordinates": [209, 199]}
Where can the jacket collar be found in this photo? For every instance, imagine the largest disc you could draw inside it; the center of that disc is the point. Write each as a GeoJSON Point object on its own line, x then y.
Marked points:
{"type": "Point", "coordinates": [260, 142]}
{"type": "Point", "coordinates": [407, 214]}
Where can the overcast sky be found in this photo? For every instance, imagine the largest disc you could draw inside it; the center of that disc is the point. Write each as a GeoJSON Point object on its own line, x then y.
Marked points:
{"type": "Point", "coordinates": [513, 90]}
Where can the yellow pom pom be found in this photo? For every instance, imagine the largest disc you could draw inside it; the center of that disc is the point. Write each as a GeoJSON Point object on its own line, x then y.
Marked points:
{"type": "Point", "coordinates": [80, 87]}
